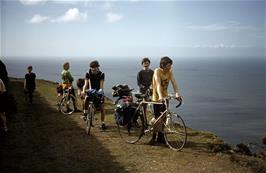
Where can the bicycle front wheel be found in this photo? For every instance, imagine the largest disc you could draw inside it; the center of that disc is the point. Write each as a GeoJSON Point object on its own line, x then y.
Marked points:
{"type": "Point", "coordinates": [175, 132]}
{"type": "Point", "coordinates": [89, 118]}
{"type": "Point", "coordinates": [130, 128]}
{"type": "Point", "coordinates": [67, 105]}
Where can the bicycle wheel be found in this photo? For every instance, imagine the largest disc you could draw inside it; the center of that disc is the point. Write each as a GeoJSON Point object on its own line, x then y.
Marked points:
{"type": "Point", "coordinates": [89, 118]}
{"type": "Point", "coordinates": [175, 132]}
{"type": "Point", "coordinates": [67, 104]}
{"type": "Point", "coordinates": [131, 130]}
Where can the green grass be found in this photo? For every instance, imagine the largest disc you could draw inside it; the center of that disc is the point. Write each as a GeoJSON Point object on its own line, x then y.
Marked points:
{"type": "Point", "coordinates": [43, 140]}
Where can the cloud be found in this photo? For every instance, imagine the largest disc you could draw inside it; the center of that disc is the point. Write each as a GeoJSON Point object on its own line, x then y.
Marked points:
{"type": "Point", "coordinates": [32, 2]}
{"type": "Point", "coordinates": [112, 17]}
{"type": "Point", "coordinates": [38, 19]}
{"type": "Point", "coordinates": [72, 15]}
{"type": "Point", "coordinates": [221, 46]}
{"type": "Point", "coordinates": [227, 26]}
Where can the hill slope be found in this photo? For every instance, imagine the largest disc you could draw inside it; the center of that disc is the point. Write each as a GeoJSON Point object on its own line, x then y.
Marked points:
{"type": "Point", "coordinates": [43, 140]}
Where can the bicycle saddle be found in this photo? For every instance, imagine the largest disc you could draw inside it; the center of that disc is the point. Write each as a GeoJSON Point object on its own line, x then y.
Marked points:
{"type": "Point", "coordinates": [140, 96]}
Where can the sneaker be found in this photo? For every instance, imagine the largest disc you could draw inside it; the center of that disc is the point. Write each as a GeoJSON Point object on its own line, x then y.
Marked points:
{"type": "Point", "coordinates": [151, 142]}
{"type": "Point", "coordinates": [77, 110]}
{"type": "Point", "coordinates": [103, 126]}
{"type": "Point", "coordinates": [161, 138]}
{"type": "Point", "coordinates": [84, 116]}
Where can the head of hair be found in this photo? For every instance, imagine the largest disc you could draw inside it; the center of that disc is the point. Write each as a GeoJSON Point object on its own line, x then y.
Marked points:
{"type": "Point", "coordinates": [94, 64]}
{"type": "Point", "coordinates": [145, 60]}
{"type": "Point", "coordinates": [164, 61]}
{"type": "Point", "coordinates": [65, 65]}
{"type": "Point", "coordinates": [29, 67]}
{"type": "Point", "coordinates": [80, 83]}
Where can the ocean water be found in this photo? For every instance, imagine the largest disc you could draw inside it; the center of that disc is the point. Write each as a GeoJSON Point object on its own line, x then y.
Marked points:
{"type": "Point", "coordinates": [222, 95]}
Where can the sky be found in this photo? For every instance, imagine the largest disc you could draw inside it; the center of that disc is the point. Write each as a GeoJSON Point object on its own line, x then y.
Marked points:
{"type": "Point", "coordinates": [41, 28]}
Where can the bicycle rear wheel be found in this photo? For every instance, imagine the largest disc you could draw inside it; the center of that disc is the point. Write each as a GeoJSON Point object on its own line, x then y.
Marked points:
{"type": "Point", "coordinates": [131, 131]}
{"type": "Point", "coordinates": [67, 105]}
{"type": "Point", "coordinates": [89, 118]}
{"type": "Point", "coordinates": [175, 132]}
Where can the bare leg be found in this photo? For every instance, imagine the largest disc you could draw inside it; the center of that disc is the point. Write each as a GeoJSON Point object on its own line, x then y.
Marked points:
{"type": "Point", "coordinates": [3, 117]}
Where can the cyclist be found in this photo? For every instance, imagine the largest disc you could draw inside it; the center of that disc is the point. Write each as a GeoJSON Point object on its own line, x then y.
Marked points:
{"type": "Point", "coordinates": [29, 84]}
{"type": "Point", "coordinates": [161, 78]}
{"type": "Point", "coordinates": [3, 104]}
{"type": "Point", "coordinates": [67, 80]}
{"type": "Point", "coordinates": [144, 78]}
{"type": "Point", "coordinates": [94, 79]}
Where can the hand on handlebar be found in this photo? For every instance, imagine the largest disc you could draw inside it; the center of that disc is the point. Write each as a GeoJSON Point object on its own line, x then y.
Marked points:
{"type": "Point", "coordinates": [179, 99]}
{"type": "Point", "coordinates": [100, 92]}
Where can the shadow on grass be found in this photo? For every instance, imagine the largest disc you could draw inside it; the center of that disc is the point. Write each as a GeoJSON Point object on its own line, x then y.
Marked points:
{"type": "Point", "coordinates": [43, 140]}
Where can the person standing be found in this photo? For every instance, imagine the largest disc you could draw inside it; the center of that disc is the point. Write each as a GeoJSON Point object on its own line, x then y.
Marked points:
{"type": "Point", "coordinates": [4, 74]}
{"type": "Point", "coordinates": [29, 84]}
{"type": "Point", "coordinates": [144, 79]}
{"type": "Point", "coordinates": [3, 106]}
{"type": "Point", "coordinates": [161, 78]}
{"type": "Point", "coordinates": [145, 75]}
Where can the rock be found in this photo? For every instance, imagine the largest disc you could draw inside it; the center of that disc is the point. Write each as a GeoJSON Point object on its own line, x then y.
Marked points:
{"type": "Point", "coordinates": [261, 154]}
{"type": "Point", "coordinates": [224, 148]}
{"type": "Point", "coordinates": [242, 149]}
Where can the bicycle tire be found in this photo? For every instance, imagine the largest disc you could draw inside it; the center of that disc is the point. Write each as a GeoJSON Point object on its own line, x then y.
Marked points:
{"type": "Point", "coordinates": [175, 132]}
{"type": "Point", "coordinates": [133, 130]}
{"type": "Point", "coordinates": [89, 118]}
{"type": "Point", "coordinates": [67, 105]}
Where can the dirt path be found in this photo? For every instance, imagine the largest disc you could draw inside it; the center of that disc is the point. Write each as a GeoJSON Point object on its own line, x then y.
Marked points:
{"type": "Point", "coordinates": [43, 140]}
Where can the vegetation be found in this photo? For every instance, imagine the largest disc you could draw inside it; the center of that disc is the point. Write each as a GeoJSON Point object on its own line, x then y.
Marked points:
{"type": "Point", "coordinates": [41, 139]}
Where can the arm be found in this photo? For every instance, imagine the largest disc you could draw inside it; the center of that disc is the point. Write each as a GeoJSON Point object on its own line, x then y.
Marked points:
{"type": "Point", "coordinates": [139, 79]}
{"type": "Point", "coordinates": [174, 84]}
{"type": "Point", "coordinates": [101, 84]}
{"type": "Point", "coordinates": [87, 82]}
{"type": "Point", "coordinates": [158, 84]}
{"type": "Point", "coordinates": [69, 76]}
{"type": "Point", "coordinates": [25, 83]}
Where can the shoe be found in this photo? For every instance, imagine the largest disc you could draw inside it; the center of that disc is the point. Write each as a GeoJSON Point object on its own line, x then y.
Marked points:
{"type": "Point", "coordinates": [69, 110]}
{"type": "Point", "coordinates": [84, 116]}
{"type": "Point", "coordinates": [103, 127]}
{"type": "Point", "coordinates": [161, 138]}
{"type": "Point", "coordinates": [77, 110]}
{"type": "Point", "coordinates": [151, 142]}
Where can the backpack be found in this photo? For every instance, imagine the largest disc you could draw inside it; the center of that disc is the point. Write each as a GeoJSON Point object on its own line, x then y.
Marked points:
{"type": "Point", "coordinates": [124, 113]}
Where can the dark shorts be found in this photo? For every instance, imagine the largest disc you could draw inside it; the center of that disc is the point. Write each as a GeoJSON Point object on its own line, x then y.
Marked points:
{"type": "Point", "coordinates": [98, 101]}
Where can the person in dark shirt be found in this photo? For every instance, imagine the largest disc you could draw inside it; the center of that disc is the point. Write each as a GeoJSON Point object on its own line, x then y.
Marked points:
{"type": "Point", "coordinates": [3, 74]}
{"type": "Point", "coordinates": [29, 84]}
{"type": "Point", "coordinates": [144, 77]}
{"type": "Point", "coordinates": [94, 79]}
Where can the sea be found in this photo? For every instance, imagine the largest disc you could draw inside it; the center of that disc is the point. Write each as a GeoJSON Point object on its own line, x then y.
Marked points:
{"type": "Point", "coordinates": [224, 95]}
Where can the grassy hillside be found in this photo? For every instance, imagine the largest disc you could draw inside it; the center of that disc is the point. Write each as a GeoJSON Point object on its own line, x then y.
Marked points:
{"type": "Point", "coordinates": [43, 140]}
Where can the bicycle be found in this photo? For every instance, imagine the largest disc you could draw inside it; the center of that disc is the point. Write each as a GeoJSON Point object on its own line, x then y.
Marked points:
{"type": "Point", "coordinates": [170, 123]}
{"type": "Point", "coordinates": [66, 103]}
{"type": "Point", "coordinates": [91, 97]}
